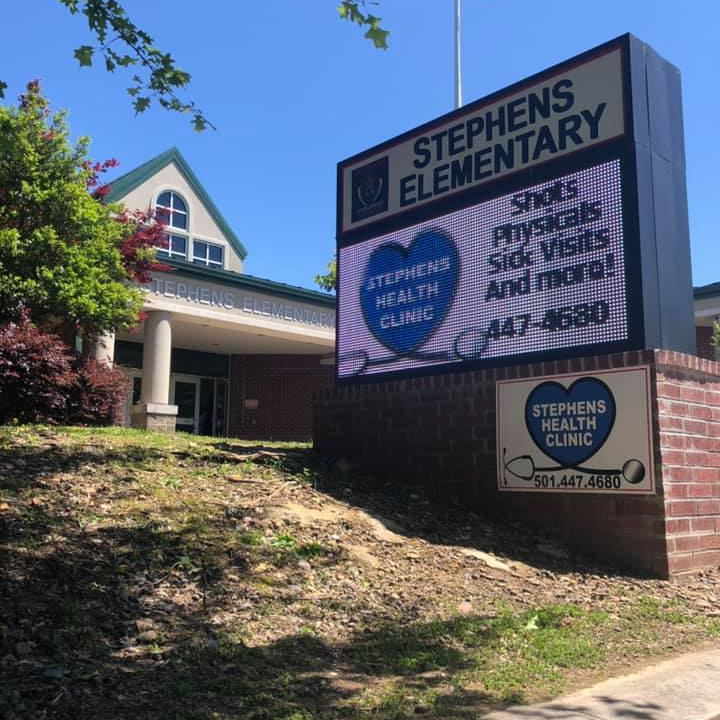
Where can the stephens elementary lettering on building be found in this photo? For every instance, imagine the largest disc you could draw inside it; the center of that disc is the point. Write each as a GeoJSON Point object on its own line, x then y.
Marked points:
{"type": "Point", "coordinates": [220, 352]}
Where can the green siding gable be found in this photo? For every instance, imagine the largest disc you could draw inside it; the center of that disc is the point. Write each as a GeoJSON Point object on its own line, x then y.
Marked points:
{"type": "Point", "coordinates": [126, 183]}
{"type": "Point", "coordinates": [707, 291]}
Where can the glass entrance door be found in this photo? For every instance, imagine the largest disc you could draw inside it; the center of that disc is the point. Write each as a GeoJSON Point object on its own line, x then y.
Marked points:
{"type": "Point", "coordinates": [213, 407]}
{"type": "Point", "coordinates": [220, 410]}
{"type": "Point", "coordinates": [205, 425]}
{"type": "Point", "coordinates": [202, 404]}
{"type": "Point", "coordinates": [185, 394]}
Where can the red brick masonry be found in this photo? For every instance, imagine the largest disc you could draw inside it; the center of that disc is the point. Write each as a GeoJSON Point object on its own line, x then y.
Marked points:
{"type": "Point", "coordinates": [271, 396]}
{"type": "Point", "coordinates": [440, 431]}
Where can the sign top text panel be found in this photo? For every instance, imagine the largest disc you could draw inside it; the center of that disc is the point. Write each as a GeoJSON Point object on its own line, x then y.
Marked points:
{"type": "Point", "coordinates": [575, 106]}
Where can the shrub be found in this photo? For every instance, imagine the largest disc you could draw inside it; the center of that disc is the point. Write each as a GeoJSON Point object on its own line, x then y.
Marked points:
{"type": "Point", "coordinates": [42, 381]}
{"type": "Point", "coordinates": [97, 394]}
{"type": "Point", "coordinates": [36, 373]}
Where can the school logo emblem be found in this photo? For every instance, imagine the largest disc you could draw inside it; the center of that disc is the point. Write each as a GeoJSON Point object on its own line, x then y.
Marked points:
{"type": "Point", "coordinates": [370, 189]}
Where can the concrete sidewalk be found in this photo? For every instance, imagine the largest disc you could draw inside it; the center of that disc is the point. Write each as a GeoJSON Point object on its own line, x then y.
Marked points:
{"type": "Point", "coordinates": [686, 688]}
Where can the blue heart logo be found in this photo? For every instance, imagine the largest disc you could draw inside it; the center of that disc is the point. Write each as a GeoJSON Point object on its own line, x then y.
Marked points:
{"type": "Point", "coordinates": [570, 424]}
{"type": "Point", "coordinates": [407, 292]}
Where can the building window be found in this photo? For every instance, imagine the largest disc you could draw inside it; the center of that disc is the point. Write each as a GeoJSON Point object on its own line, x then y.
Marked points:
{"type": "Point", "coordinates": [136, 389]}
{"type": "Point", "coordinates": [171, 210]}
{"type": "Point", "coordinates": [176, 247]}
{"type": "Point", "coordinates": [205, 253]}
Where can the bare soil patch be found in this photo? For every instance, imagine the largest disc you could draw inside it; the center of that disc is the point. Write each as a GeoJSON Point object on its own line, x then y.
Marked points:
{"type": "Point", "coordinates": [143, 576]}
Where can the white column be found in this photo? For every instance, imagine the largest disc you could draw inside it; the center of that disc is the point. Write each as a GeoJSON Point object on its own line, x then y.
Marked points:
{"type": "Point", "coordinates": [103, 349]}
{"type": "Point", "coordinates": [156, 358]}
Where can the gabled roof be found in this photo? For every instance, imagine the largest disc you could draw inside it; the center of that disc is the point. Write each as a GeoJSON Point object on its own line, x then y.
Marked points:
{"type": "Point", "coordinates": [705, 291]}
{"type": "Point", "coordinates": [182, 267]}
{"type": "Point", "coordinates": [126, 183]}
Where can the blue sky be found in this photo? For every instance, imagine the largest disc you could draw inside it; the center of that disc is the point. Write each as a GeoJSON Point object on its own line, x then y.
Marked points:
{"type": "Point", "coordinates": [292, 91]}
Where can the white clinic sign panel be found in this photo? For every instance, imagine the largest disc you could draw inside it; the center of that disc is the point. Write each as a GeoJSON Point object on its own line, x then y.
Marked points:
{"type": "Point", "coordinates": [576, 433]}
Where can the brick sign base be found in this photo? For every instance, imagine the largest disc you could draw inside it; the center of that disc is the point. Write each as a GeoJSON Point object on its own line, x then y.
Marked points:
{"type": "Point", "coordinates": [440, 431]}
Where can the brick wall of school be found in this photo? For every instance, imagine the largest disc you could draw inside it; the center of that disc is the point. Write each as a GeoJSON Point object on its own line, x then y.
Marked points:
{"type": "Point", "coordinates": [703, 337]}
{"type": "Point", "coordinates": [688, 400]}
{"type": "Point", "coordinates": [271, 395]}
{"type": "Point", "coordinates": [440, 431]}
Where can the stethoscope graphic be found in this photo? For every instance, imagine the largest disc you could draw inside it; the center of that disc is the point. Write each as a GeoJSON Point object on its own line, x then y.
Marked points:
{"type": "Point", "coordinates": [523, 468]}
{"type": "Point", "coordinates": [356, 362]}
{"type": "Point", "coordinates": [470, 344]}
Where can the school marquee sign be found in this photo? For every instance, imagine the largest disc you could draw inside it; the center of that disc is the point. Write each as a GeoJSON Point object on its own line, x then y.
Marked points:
{"type": "Point", "coordinates": [543, 221]}
{"type": "Point", "coordinates": [570, 109]}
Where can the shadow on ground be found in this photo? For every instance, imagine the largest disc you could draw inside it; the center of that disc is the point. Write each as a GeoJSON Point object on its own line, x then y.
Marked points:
{"type": "Point", "coordinates": [80, 605]}
{"type": "Point", "coordinates": [610, 708]}
{"type": "Point", "coordinates": [413, 511]}
{"type": "Point", "coordinates": [74, 598]}
{"type": "Point", "coordinates": [78, 608]}
{"type": "Point", "coordinates": [407, 510]}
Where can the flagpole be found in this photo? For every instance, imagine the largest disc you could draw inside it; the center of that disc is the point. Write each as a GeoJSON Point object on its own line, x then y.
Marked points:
{"type": "Point", "coordinates": [458, 79]}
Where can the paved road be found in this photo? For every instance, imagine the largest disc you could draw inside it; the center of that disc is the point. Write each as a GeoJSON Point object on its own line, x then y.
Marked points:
{"type": "Point", "coordinates": [686, 688]}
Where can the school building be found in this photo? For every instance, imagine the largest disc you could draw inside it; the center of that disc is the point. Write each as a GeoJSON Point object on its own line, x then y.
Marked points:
{"type": "Point", "coordinates": [229, 354]}
{"type": "Point", "coordinates": [220, 352]}
{"type": "Point", "coordinates": [707, 311]}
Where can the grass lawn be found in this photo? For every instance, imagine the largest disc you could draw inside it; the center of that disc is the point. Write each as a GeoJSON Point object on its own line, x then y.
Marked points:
{"type": "Point", "coordinates": [146, 576]}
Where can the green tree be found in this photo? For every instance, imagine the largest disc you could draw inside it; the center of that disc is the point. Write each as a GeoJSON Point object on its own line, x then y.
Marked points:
{"type": "Point", "coordinates": [328, 281]}
{"type": "Point", "coordinates": [65, 255]}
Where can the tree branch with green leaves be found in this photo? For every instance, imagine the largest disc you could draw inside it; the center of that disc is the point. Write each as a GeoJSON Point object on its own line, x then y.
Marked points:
{"type": "Point", "coordinates": [356, 11]}
{"type": "Point", "coordinates": [122, 44]}
{"type": "Point", "coordinates": [328, 281]}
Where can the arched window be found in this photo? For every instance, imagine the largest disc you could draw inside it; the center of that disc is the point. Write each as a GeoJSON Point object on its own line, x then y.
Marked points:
{"type": "Point", "coordinates": [172, 210]}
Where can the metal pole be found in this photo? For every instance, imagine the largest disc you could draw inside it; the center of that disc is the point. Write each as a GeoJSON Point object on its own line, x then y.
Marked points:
{"type": "Point", "coordinates": [458, 80]}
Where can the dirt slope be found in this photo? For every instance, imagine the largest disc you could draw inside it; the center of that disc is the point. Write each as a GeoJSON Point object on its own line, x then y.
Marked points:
{"type": "Point", "coordinates": [143, 576]}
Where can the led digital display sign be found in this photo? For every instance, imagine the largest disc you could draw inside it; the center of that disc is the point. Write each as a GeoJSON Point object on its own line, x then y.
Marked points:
{"type": "Point", "coordinates": [537, 268]}
{"type": "Point", "coordinates": [532, 224]}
